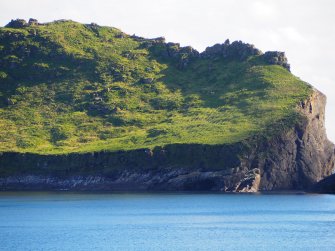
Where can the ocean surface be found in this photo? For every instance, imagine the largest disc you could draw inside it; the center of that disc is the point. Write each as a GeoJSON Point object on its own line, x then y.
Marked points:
{"type": "Point", "coordinates": [126, 221]}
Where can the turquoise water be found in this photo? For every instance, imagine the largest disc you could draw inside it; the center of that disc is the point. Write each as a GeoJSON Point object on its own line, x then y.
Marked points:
{"type": "Point", "coordinates": [73, 221]}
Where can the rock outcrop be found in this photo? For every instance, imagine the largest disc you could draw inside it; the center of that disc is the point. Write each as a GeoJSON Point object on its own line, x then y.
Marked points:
{"type": "Point", "coordinates": [295, 159]}
{"type": "Point", "coordinates": [17, 23]}
{"type": "Point", "coordinates": [303, 155]}
{"type": "Point", "coordinates": [21, 23]}
{"type": "Point", "coordinates": [235, 50]}
{"type": "Point", "coordinates": [276, 57]}
{"type": "Point", "coordinates": [181, 55]}
{"type": "Point", "coordinates": [327, 185]}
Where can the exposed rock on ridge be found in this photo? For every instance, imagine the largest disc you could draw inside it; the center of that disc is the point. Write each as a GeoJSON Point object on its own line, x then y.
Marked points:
{"type": "Point", "coordinates": [185, 55]}
{"type": "Point", "coordinates": [236, 49]}
{"type": "Point", "coordinates": [276, 57]}
{"type": "Point", "coordinates": [20, 23]}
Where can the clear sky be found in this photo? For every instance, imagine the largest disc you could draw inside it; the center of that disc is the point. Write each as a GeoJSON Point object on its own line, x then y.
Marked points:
{"type": "Point", "coordinates": [304, 29]}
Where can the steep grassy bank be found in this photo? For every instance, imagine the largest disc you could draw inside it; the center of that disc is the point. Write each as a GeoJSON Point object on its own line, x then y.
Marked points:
{"type": "Point", "coordinates": [67, 87]}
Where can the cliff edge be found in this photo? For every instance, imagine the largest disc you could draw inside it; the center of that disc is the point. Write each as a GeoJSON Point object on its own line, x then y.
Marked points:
{"type": "Point", "coordinates": [292, 160]}
{"type": "Point", "coordinates": [302, 156]}
{"type": "Point", "coordinates": [89, 107]}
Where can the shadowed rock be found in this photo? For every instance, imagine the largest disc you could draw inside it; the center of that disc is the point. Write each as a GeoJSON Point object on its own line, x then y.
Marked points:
{"type": "Point", "coordinates": [236, 50]}
{"type": "Point", "coordinates": [17, 23]}
{"type": "Point", "coordinates": [326, 185]}
{"type": "Point", "coordinates": [276, 57]}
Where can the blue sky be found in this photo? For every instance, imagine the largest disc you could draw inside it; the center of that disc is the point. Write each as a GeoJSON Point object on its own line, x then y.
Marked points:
{"type": "Point", "coordinates": [304, 29]}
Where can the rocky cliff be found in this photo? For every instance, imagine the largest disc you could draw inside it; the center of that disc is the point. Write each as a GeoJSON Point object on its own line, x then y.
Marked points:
{"type": "Point", "coordinates": [90, 107]}
{"type": "Point", "coordinates": [303, 155]}
{"type": "Point", "coordinates": [291, 160]}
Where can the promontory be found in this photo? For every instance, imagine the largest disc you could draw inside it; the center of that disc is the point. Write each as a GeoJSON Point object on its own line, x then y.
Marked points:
{"type": "Point", "coordinates": [89, 107]}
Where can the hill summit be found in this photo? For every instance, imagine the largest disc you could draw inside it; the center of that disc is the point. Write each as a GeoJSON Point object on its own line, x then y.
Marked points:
{"type": "Point", "coordinates": [70, 87]}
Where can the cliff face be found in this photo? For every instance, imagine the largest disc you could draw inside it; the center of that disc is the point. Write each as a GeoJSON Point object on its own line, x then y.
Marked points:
{"type": "Point", "coordinates": [302, 156]}
{"type": "Point", "coordinates": [294, 159]}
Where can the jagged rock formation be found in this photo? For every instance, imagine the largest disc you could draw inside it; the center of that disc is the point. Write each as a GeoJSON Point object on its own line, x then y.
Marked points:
{"type": "Point", "coordinates": [235, 50]}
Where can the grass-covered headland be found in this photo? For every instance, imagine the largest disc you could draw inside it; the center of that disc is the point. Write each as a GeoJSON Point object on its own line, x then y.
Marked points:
{"type": "Point", "coordinates": [70, 87]}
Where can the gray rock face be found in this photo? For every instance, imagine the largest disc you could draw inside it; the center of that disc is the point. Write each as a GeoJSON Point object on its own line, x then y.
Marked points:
{"type": "Point", "coordinates": [302, 156]}
{"type": "Point", "coordinates": [292, 160]}
{"type": "Point", "coordinates": [153, 180]}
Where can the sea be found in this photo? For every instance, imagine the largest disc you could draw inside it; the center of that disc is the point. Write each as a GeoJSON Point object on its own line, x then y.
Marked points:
{"type": "Point", "coordinates": [166, 221]}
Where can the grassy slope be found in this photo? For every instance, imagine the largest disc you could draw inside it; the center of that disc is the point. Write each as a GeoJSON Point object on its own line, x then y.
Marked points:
{"type": "Point", "coordinates": [66, 87]}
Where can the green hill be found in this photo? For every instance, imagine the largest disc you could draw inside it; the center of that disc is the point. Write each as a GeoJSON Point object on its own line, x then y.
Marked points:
{"type": "Point", "coordinates": [70, 87]}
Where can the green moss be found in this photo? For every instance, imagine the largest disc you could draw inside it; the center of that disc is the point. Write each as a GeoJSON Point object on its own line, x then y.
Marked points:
{"type": "Point", "coordinates": [67, 87]}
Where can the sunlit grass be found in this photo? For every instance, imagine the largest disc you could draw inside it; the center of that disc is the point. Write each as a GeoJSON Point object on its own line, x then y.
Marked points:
{"type": "Point", "coordinates": [83, 89]}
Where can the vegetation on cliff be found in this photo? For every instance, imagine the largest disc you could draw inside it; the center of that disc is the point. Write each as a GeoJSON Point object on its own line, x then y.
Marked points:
{"type": "Point", "coordinates": [70, 87]}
